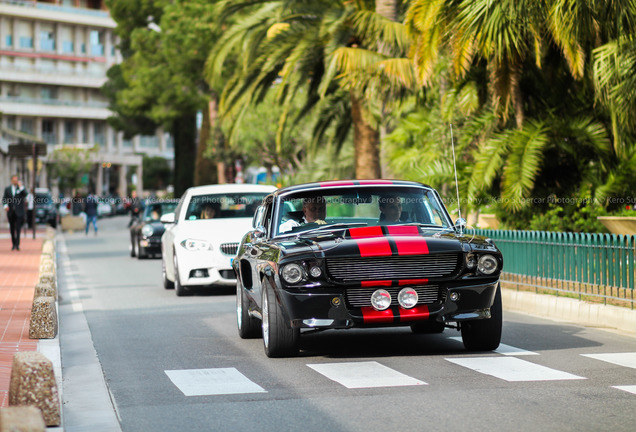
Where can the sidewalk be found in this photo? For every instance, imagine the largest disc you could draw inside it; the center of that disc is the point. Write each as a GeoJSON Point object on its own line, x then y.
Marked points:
{"type": "Point", "coordinates": [19, 272]}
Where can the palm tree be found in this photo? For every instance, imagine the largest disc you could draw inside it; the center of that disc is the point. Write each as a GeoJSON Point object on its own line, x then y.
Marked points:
{"type": "Point", "coordinates": [288, 45]}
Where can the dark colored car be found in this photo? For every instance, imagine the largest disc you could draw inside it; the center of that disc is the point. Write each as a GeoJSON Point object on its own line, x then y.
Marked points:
{"type": "Point", "coordinates": [381, 253]}
{"type": "Point", "coordinates": [44, 207]}
{"type": "Point", "coordinates": [146, 232]}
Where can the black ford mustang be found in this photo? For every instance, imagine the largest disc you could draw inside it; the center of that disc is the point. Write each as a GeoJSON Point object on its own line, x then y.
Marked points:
{"type": "Point", "coordinates": [367, 253]}
{"type": "Point", "coordinates": [146, 231]}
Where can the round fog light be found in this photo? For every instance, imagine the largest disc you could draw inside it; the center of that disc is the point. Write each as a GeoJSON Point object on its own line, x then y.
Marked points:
{"type": "Point", "coordinates": [315, 271]}
{"type": "Point", "coordinates": [381, 299]}
{"type": "Point", "coordinates": [407, 298]}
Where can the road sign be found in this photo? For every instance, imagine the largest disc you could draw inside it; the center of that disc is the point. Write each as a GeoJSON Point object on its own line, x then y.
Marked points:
{"type": "Point", "coordinates": [25, 150]}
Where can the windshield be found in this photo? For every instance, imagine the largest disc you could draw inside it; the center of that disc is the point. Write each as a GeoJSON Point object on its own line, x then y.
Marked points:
{"type": "Point", "coordinates": [216, 206]}
{"type": "Point", "coordinates": [154, 211]}
{"type": "Point", "coordinates": [387, 205]}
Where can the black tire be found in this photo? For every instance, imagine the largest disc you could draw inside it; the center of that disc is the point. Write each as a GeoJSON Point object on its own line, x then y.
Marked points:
{"type": "Point", "coordinates": [167, 284]}
{"type": "Point", "coordinates": [248, 326]}
{"type": "Point", "coordinates": [279, 338]}
{"type": "Point", "coordinates": [133, 252]}
{"type": "Point", "coordinates": [427, 327]}
{"type": "Point", "coordinates": [179, 289]}
{"type": "Point", "coordinates": [485, 334]}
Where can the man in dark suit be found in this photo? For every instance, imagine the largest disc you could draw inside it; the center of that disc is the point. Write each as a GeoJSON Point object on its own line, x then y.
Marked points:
{"type": "Point", "coordinates": [13, 202]}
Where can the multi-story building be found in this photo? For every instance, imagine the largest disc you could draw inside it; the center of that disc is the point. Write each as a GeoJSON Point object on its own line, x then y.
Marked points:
{"type": "Point", "coordinates": [54, 55]}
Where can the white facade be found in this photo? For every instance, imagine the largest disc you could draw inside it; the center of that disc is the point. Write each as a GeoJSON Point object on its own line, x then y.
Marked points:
{"type": "Point", "coordinates": [53, 60]}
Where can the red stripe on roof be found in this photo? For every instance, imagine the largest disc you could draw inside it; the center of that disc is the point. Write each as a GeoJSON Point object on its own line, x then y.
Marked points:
{"type": "Point", "coordinates": [337, 183]}
{"type": "Point", "coordinates": [371, 316]}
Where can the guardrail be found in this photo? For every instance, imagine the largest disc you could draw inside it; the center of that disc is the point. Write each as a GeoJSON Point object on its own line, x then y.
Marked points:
{"type": "Point", "coordinates": [601, 266]}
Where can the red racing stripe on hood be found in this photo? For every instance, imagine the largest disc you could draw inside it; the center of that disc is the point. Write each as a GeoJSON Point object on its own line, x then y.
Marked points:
{"type": "Point", "coordinates": [371, 241]}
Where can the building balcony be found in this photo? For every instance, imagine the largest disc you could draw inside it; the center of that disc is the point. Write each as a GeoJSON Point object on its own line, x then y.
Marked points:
{"type": "Point", "coordinates": [53, 76]}
{"type": "Point", "coordinates": [25, 106]}
{"type": "Point", "coordinates": [57, 13]}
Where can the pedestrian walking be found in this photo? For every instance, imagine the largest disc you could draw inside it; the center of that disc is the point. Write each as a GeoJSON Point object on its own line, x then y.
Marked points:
{"type": "Point", "coordinates": [13, 201]}
{"type": "Point", "coordinates": [90, 208]}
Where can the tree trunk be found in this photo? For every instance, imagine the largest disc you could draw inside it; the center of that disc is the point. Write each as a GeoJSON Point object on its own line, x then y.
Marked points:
{"type": "Point", "coordinates": [517, 96]}
{"type": "Point", "coordinates": [184, 131]}
{"type": "Point", "coordinates": [366, 142]}
{"type": "Point", "coordinates": [205, 169]}
{"type": "Point", "coordinates": [388, 9]}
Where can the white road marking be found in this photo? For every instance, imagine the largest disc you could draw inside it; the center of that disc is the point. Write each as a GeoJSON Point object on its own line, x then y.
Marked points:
{"type": "Point", "coordinates": [504, 349]}
{"type": "Point", "coordinates": [512, 369]}
{"type": "Point", "coordinates": [219, 381]}
{"type": "Point", "coordinates": [364, 375]}
{"type": "Point", "coordinates": [621, 359]}
{"type": "Point", "coordinates": [629, 388]}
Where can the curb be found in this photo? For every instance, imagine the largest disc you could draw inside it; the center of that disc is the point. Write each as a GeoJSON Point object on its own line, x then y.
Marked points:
{"type": "Point", "coordinates": [570, 310]}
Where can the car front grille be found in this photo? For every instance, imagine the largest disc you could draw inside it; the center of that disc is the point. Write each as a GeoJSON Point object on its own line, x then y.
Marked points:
{"type": "Point", "coordinates": [393, 267]}
{"type": "Point", "coordinates": [229, 248]}
{"type": "Point", "coordinates": [361, 297]}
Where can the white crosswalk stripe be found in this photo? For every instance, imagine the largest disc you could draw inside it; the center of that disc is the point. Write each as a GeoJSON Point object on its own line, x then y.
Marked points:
{"type": "Point", "coordinates": [512, 369]}
{"type": "Point", "coordinates": [364, 375]}
{"type": "Point", "coordinates": [504, 349]}
{"type": "Point", "coordinates": [621, 359]}
{"type": "Point", "coordinates": [206, 382]}
{"type": "Point", "coordinates": [629, 389]}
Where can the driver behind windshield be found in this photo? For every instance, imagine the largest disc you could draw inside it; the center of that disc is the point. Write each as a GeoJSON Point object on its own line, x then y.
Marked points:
{"type": "Point", "coordinates": [314, 211]}
{"type": "Point", "coordinates": [390, 208]}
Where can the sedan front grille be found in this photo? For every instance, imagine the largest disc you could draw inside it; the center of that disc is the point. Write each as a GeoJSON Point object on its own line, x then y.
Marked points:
{"type": "Point", "coordinates": [393, 267]}
{"type": "Point", "coordinates": [361, 297]}
{"type": "Point", "coordinates": [229, 248]}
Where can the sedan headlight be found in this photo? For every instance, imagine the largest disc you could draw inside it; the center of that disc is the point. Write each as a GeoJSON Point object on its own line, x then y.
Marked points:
{"type": "Point", "coordinates": [195, 245]}
{"type": "Point", "coordinates": [147, 231]}
{"type": "Point", "coordinates": [487, 264]}
{"type": "Point", "coordinates": [292, 273]}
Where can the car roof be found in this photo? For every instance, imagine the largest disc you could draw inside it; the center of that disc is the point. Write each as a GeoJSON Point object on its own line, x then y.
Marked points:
{"type": "Point", "coordinates": [337, 184]}
{"type": "Point", "coordinates": [229, 188]}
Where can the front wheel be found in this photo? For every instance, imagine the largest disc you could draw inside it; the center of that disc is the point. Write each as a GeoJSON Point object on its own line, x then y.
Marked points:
{"type": "Point", "coordinates": [179, 289]}
{"type": "Point", "coordinates": [167, 283]}
{"type": "Point", "coordinates": [485, 334]}
{"type": "Point", "coordinates": [279, 338]}
{"type": "Point", "coordinates": [248, 326]}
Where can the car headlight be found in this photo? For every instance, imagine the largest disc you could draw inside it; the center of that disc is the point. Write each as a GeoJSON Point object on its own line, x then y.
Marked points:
{"type": "Point", "coordinates": [292, 273]}
{"type": "Point", "coordinates": [195, 245]}
{"type": "Point", "coordinates": [487, 264]}
{"type": "Point", "coordinates": [147, 231]}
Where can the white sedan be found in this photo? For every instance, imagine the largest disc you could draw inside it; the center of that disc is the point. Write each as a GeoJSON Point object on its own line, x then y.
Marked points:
{"type": "Point", "coordinates": [203, 234]}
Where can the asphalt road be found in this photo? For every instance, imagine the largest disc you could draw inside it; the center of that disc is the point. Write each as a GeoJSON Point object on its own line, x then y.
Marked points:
{"type": "Point", "coordinates": [177, 364]}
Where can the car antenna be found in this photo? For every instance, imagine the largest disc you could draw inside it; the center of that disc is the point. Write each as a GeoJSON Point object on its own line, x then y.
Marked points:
{"type": "Point", "coordinates": [459, 211]}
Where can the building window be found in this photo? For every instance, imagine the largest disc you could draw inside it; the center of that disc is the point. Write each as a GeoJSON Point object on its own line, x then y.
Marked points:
{"type": "Point", "coordinates": [48, 131]}
{"type": "Point", "coordinates": [83, 47]}
{"type": "Point", "coordinates": [69, 132]}
{"type": "Point", "coordinates": [127, 143]}
{"type": "Point", "coordinates": [99, 134]}
{"type": "Point", "coordinates": [26, 42]}
{"type": "Point", "coordinates": [148, 141]}
{"type": "Point", "coordinates": [68, 47]}
{"type": "Point", "coordinates": [97, 43]}
{"type": "Point", "coordinates": [9, 40]}
{"type": "Point", "coordinates": [47, 41]}
{"type": "Point", "coordinates": [26, 125]}
{"type": "Point", "coordinates": [48, 93]}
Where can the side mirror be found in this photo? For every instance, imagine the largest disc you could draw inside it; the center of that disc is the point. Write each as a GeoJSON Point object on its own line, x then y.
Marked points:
{"type": "Point", "coordinates": [260, 232]}
{"type": "Point", "coordinates": [461, 223]}
{"type": "Point", "coordinates": [167, 218]}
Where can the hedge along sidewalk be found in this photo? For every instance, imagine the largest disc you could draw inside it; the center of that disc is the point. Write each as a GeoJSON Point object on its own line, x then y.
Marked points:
{"type": "Point", "coordinates": [19, 273]}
